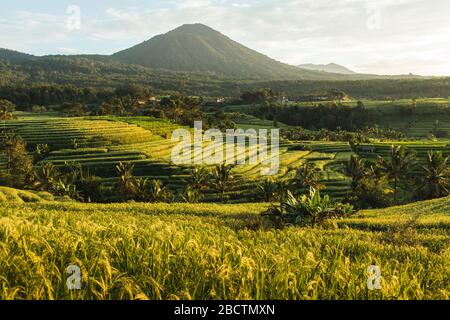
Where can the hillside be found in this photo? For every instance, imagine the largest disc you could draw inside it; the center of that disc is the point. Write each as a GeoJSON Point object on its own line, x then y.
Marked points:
{"type": "Point", "coordinates": [173, 251]}
{"type": "Point", "coordinates": [15, 56]}
{"type": "Point", "coordinates": [10, 195]}
{"type": "Point", "coordinates": [331, 68]}
{"type": "Point", "coordinates": [198, 48]}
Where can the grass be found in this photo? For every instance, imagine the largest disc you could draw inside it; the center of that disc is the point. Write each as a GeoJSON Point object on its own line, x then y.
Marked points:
{"type": "Point", "coordinates": [209, 251]}
{"type": "Point", "coordinates": [10, 195]}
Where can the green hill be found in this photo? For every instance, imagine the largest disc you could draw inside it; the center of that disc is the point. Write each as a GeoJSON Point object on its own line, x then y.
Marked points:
{"type": "Point", "coordinates": [15, 56]}
{"type": "Point", "coordinates": [209, 251]}
{"type": "Point", "coordinates": [10, 195]}
{"type": "Point", "coordinates": [198, 48]}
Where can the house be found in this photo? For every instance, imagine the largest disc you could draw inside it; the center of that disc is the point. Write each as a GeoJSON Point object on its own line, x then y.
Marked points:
{"type": "Point", "coordinates": [283, 100]}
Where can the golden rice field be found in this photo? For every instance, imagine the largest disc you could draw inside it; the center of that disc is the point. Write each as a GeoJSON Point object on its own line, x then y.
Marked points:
{"type": "Point", "coordinates": [211, 251]}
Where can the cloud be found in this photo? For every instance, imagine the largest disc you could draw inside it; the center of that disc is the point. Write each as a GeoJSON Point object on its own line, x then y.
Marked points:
{"type": "Point", "coordinates": [361, 34]}
{"type": "Point", "coordinates": [27, 29]}
{"type": "Point", "coordinates": [68, 51]}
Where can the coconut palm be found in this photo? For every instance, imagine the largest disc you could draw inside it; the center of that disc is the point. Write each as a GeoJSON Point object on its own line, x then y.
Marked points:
{"type": "Point", "coordinates": [221, 179]}
{"type": "Point", "coordinates": [397, 167]}
{"type": "Point", "coordinates": [199, 177]}
{"type": "Point", "coordinates": [283, 189]}
{"type": "Point", "coordinates": [268, 189]}
{"type": "Point", "coordinates": [307, 177]}
{"type": "Point", "coordinates": [356, 168]}
{"type": "Point", "coordinates": [436, 176]}
{"type": "Point", "coordinates": [73, 172]}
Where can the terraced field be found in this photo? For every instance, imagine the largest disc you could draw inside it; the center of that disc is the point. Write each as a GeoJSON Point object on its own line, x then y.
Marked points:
{"type": "Point", "coordinates": [429, 114]}
{"type": "Point", "coordinates": [103, 142]}
{"type": "Point", "coordinates": [421, 148]}
{"type": "Point", "coordinates": [210, 251]}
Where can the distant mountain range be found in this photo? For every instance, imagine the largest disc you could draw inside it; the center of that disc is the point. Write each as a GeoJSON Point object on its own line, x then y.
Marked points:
{"type": "Point", "coordinates": [331, 68]}
{"type": "Point", "coordinates": [190, 49]}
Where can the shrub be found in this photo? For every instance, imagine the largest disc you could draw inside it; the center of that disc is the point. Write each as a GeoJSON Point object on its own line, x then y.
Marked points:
{"type": "Point", "coordinates": [307, 210]}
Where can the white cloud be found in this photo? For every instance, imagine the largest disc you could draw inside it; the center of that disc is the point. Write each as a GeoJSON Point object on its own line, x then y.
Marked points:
{"type": "Point", "coordinates": [413, 32]}
{"type": "Point", "coordinates": [65, 50]}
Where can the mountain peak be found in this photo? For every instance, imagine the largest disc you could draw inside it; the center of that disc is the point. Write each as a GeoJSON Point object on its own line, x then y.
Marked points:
{"type": "Point", "coordinates": [199, 48]}
{"type": "Point", "coordinates": [194, 27]}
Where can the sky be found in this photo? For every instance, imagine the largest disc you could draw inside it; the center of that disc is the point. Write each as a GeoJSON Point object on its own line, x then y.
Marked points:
{"type": "Point", "coordinates": [367, 36]}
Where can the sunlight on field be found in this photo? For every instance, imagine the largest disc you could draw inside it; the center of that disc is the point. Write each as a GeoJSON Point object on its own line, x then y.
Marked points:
{"type": "Point", "coordinates": [179, 251]}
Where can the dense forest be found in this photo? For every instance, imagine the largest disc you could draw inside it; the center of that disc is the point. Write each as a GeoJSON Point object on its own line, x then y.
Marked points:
{"type": "Point", "coordinates": [103, 74]}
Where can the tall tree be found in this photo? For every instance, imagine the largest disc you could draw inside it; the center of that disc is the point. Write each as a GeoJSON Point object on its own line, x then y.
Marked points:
{"type": "Point", "coordinates": [307, 177]}
{"type": "Point", "coordinates": [7, 109]}
{"type": "Point", "coordinates": [397, 167]}
{"type": "Point", "coordinates": [436, 176]}
{"type": "Point", "coordinates": [268, 189]}
{"type": "Point", "coordinates": [19, 164]}
{"type": "Point", "coordinates": [198, 179]}
{"type": "Point", "coordinates": [221, 179]}
{"type": "Point", "coordinates": [356, 168]}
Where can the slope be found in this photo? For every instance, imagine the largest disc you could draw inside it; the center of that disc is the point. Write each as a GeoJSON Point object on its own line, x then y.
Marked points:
{"type": "Point", "coordinates": [198, 48]}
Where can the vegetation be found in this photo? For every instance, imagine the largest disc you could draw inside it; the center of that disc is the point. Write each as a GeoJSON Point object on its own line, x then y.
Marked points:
{"type": "Point", "coordinates": [309, 210]}
{"type": "Point", "coordinates": [221, 179]}
{"type": "Point", "coordinates": [398, 167]}
{"type": "Point", "coordinates": [436, 177]}
{"type": "Point", "coordinates": [87, 177]}
{"type": "Point", "coordinates": [198, 48]}
{"type": "Point", "coordinates": [130, 251]}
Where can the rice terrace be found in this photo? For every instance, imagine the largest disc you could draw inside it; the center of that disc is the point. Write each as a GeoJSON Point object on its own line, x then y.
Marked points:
{"type": "Point", "coordinates": [190, 167]}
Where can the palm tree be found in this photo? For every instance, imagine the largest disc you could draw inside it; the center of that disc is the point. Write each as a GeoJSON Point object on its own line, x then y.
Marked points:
{"type": "Point", "coordinates": [283, 189]}
{"type": "Point", "coordinates": [73, 172]}
{"type": "Point", "coordinates": [436, 176]}
{"type": "Point", "coordinates": [126, 183]}
{"type": "Point", "coordinates": [268, 188]}
{"type": "Point", "coordinates": [199, 178]}
{"type": "Point", "coordinates": [356, 168]}
{"type": "Point", "coordinates": [221, 179]}
{"type": "Point", "coordinates": [307, 176]}
{"type": "Point", "coordinates": [397, 167]}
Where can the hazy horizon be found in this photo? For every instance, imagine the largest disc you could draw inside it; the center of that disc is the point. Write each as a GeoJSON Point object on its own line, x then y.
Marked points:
{"type": "Point", "coordinates": [376, 37]}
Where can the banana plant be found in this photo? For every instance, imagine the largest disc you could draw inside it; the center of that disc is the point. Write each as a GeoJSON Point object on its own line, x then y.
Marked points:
{"type": "Point", "coordinates": [310, 209]}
